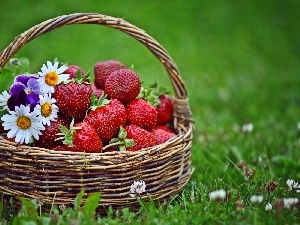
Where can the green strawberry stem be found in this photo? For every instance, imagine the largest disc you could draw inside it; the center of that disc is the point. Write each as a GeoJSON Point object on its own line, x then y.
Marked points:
{"type": "Point", "coordinates": [79, 78]}
{"type": "Point", "coordinates": [152, 92]}
{"type": "Point", "coordinates": [66, 135]}
{"type": "Point", "coordinates": [121, 141]}
{"type": "Point", "coordinates": [121, 144]}
{"type": "Point", "coordinates": [98, 102]}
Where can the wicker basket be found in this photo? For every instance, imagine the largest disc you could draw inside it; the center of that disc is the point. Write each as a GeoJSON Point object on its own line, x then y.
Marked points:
{"type": "Point", "coordinates": [57, 177]}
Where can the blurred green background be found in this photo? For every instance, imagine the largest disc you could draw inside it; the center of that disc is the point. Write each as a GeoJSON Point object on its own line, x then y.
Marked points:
{"type": "Point", "coordinates": [239, 60]}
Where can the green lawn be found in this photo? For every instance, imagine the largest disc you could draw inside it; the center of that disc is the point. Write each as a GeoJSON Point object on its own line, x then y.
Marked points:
{"type": "Point", "coordinates": [240, 63]}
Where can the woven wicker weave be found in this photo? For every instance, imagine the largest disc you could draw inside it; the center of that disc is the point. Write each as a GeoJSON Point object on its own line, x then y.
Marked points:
{"type": "Point", "coordinates": [57, 177]}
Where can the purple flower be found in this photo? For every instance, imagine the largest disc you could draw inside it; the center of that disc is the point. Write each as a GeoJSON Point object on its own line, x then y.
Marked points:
{"type": "Point", "coordinates": [17, 100]}
{"type": "Point", "coordinates": [33, 86]}
{"type": "Point", "coordinates": [33, 99]}
{"type": "Point", "coordinates": [16, 88]}
{"type": "Point", "coordinates": [22, 79]}
{"type": "Point", "coordinates": [24, 91]}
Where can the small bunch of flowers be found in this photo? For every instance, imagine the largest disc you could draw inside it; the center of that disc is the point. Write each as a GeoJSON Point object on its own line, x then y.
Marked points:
{"type": "Point", "coordinates": [293, 185]}
{"type": "Point", "coordinates": [217, 195]}
{"type": "Point", "coordinates": [137, 188]}
{"type": "Point", "coordinates": [28, 105]}
{"type": "Point", "coordinates": [256, 199]}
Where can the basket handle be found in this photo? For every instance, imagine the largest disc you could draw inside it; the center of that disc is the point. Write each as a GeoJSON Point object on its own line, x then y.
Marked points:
{"type": "Point", "coordinates": [180, 93]}
{"type": "Point", "coordinates": [94, 18]}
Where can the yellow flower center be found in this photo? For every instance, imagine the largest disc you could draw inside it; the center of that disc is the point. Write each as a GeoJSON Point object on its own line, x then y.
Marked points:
{"type": "Point", "coordinates": [51, 78]}
{"type": "Point", "coordinates": [23, 122]}
{"type": "Point", "coordinates": [46, 109]}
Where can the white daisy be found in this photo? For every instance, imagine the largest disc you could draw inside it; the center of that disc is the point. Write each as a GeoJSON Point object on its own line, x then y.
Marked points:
{"type": "Point", "coordinates": [23, 124]}
{"type": "Point", "coordinates": [50, 76]}
{"type": "Point", "coordinates": [47, 109]}
{"type": "Point", "coordinates": [3, 99]}
{"type": "Point", "coordinates": [137, 188]}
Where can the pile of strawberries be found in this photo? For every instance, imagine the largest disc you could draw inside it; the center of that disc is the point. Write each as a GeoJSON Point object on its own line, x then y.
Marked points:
{"type": "Point", "coordinates": [114, 113]}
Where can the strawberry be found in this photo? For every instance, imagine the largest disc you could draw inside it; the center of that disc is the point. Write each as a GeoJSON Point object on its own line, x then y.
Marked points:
{"type": "Point", "coordinates": [103, 69]}
{"type": "Point", "coordinates": [97, 92]}
{"type": "Point", "coordinates": [72, 70]}
{"type": "Point", "coordinates": [141, 137]}
{"type": "Point", "coordinates": [158, 96]}
{"type": "Point", "coordinates": [142, 113]}
{"type": "Point", "coordinates": [123, 84]}
{"type": "Point", "coordinates": [106, 116]}
{"type": "Point", "coordinates": [162, 134]}
{"type": "Point", "coordinates": [73, 99]}
{"type": "Point", "coordinates": [81, 137]}
{"type": "Point", "coordinates": [48, 137]}
{"type": "Point", "coordinates": [164, 109]}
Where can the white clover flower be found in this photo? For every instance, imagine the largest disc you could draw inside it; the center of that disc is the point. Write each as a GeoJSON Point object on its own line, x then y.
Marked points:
{"type": "Point", "coordinates": [293, 185]}
{"type": "Point", "coordinates": [50, 76]}
{"type": "Point", "coordinates": [255, 199]}
{"type": "Point", "coordinates": [137, 188]}
{"type": "Point", "coordinates": [290, 203]}
{"type": "Point", "coordinates": [23, 124]}
{"type": "Point", "coordinates": [268, 207]}
{"type": "Point", "coordinates": [247, 128]}
{"type": "Point", "coordinates": [217, 195]}
{"type": "Point", "coordinates": [4, 96]}
{"type": "Point", "coordinates": [47, 109]}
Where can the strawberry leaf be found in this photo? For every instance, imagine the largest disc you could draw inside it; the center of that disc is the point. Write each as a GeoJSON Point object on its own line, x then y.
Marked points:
{"type": "Point", "coordinates": [18, 66]}
{"type": "Point", "coordinates": [152, 92]}
{"type": "Point", "coordinates": [98, 102]}
{"type": "Point", "coordinates": [67, 135]}
{"type": "Point", "coordinates": [121, 142]}
{"type": "Point", "coordinates": [6, 79]}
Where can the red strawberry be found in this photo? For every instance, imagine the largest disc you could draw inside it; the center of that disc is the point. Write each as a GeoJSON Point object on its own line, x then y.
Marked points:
{"type": "Point", "coordinates": [162, 134]}
{"type": "Point", "coordinates": [142, 113]}
{"type": "Point", "coordinates": [103, 69]}
{"type": "Point", "coordinates": [107, 118]}
{"type": "Point", "coordinates": [164, 109]}
{"type": "Point", "coordinates": [81, 137]}
{"type": "Point", "coordinates": [97, 92]}
{"type": "Point", "coordinates": [123, 84]}
{"type": "Point", "coordinates": [72, 70]}
{"type": "Point", "coordinates": [48, 136]}
{"type": "Point", "coordinates": [158, 96]}
{"type": "Point", "coordinates": [141, 137]}
{"type": "Point", "coordinates": [73, 99]}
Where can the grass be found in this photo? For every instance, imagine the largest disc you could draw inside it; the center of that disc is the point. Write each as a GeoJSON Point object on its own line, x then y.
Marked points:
{"type": "Point", "coordinates": [240, 64]}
